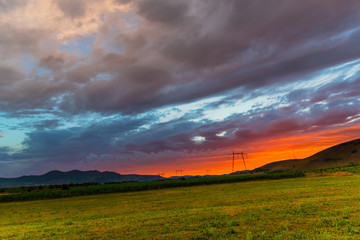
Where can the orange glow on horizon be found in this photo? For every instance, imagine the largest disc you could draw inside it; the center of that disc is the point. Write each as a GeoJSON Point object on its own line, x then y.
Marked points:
{"type": "Point", "coordinates": [261, 153]}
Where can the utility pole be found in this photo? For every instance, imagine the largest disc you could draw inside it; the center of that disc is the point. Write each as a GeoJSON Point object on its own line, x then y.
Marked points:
{"type": "Point", "coordinates": [242, 155]}
{"type": "Point", "coordinates": [179, 171]}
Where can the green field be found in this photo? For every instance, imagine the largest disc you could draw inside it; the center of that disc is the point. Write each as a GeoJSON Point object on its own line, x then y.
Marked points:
{"type": "Point", "coordinates": [312, 207]}
{"type": "Point", "coordinates": [72, 190]}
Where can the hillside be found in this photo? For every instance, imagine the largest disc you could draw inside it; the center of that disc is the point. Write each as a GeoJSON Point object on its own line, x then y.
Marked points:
{"type": "Point", "coordinates": [75, 176]}
{"type": "Point", "coordinates": [341, 155]}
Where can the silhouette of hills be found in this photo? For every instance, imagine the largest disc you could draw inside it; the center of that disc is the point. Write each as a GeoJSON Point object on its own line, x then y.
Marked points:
{"type": "Point", "coordinates": [74, 176]}
{"type": "Point", "coordinates": [341, 155]}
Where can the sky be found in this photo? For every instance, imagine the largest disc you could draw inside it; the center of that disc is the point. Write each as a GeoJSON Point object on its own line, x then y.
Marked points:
{"type": "Point", "coordinates": [155, 86]}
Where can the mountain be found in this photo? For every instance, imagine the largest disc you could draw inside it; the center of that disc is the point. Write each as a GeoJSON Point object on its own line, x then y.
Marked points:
{"type": "Point", "coordinates": [195, 176]}
{"type": "Point", "coordinates": [75, 176]}
{"type": "Point", "coordinates": [240, 172]}
{"type": "Point", "coordinates": [341, 155]}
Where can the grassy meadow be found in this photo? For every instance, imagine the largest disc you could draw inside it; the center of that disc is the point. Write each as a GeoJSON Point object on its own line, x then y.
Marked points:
{"type": "Point", "coordinates": [72, 190]}
{"type": "Point", "coordinates": [312, 207]}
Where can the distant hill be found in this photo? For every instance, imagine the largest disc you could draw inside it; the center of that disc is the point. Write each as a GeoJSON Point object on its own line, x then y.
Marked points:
{"type": "Point", "coordinates": [240, 172]}
{"type": "Point", "coordinates": [341, 155]}
{"type": "Point", "coordinates": [199, 176]}
{"type": "Point", "coordinates": [75, 176]}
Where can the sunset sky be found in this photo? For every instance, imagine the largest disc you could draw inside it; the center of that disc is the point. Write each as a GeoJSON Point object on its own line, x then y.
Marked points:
{"type": "Point", "coordinates": [155, 86]}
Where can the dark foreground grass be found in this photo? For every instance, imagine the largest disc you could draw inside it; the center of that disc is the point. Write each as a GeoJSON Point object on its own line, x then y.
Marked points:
{"type": "Point", "coordinates": [37, 193]}
{"type": "Point", "coordinates": [325, 207]}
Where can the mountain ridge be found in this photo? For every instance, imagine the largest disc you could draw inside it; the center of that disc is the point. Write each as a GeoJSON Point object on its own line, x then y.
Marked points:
{"type": "Point", "coordinates": [341, 155]}
{"type": "Point", "coordinates": [56, 177]}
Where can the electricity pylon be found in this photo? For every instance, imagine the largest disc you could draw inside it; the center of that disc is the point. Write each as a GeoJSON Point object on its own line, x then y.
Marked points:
{"type": "Point", "coordinates": [243, 158]}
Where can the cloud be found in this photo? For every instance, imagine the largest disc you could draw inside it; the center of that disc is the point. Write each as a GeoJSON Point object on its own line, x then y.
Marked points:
{"type": "Point", "coordinates": [6, 6]}
{"type": "Point", "coordinates": [275, 67]}
{"type": "Point", "coordinates": [165, 60]}
{"type": "Point", "coordinates": [9, 75]}
{"type": "Point", "coordinates": [48, 124]}
{"type": "Point", "coordinates": [163, 11]}
{"type": "Point", "coordinates": [127, 143]}
{"type": "Point", "coordinates": [73, 9]}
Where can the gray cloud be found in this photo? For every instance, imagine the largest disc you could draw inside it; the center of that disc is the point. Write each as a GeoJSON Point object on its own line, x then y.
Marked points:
{"type": "Point", "coordinates": [224, 46]}
{"type": "Point", "coordinates": [10, 5]}
{"type": "Point", "coordinates": [166, 12]}
{"type": "Point", "coordinates": [245, 59]}
{"type": "Point", "coordinates": [9, 75]}
{"type": "Point", "coordinates": [48, 124]}
{"type": "Point", "coordinates": [122, 1]}
{"type": "Point", "coordinates": [52, 62]}
{"type": "Point", "coordinates": [73, 9]}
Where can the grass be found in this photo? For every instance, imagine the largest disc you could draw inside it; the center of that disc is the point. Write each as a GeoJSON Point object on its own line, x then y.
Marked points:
{"type": "Point", "coordinates": [350, 169]}
{"type": "Point", "coordinates": [326, 207]}
{"type": "Point", "coordinates": [71, 190]}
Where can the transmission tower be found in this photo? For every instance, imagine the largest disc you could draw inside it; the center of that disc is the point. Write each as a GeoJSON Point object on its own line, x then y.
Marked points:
{"type": "Point", "coordinates": [243, 155]}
